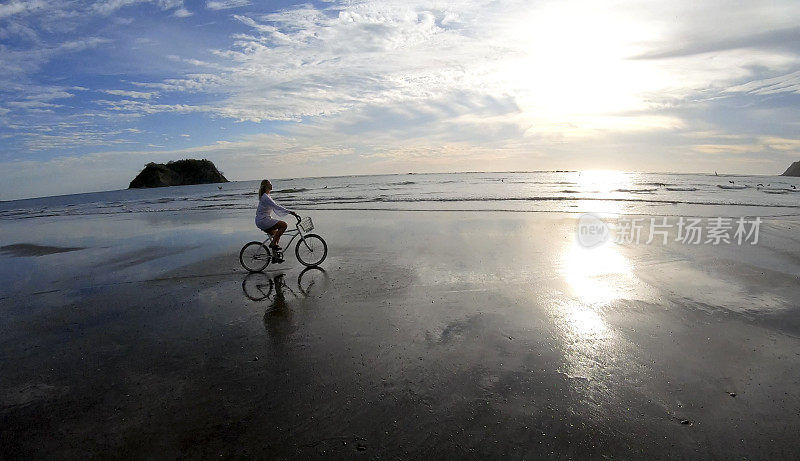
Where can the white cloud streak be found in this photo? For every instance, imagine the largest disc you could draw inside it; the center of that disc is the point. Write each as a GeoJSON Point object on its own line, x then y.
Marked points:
{"type": "Point", "coordinates": [182, 13]}
{"type": "Point", "coordinates": [226, 4]}
{"type": "Point", "coordinates": [132, 94]}
{"type": "Point", "coordinates": [789, 83]}
{"type": "Point", "coordinates": [110, 6]}
{"type": "Point", "coordinates": [17, 7]}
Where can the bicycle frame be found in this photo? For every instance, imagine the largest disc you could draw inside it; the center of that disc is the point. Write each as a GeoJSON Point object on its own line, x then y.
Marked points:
{"type": "Point", "coordinates": [292, 233]}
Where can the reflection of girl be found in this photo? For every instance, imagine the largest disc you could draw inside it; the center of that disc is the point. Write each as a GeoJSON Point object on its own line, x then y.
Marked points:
{"type": "Point", "coordinates": [265, 221]}
{"type": "Point", "coordinates": [278, 317]}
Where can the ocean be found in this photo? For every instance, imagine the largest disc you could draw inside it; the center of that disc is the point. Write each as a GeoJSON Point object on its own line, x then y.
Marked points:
{"type": "Point", "coordinates": [573, 192]}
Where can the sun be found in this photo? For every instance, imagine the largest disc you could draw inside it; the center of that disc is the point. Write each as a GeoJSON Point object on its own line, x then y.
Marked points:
{"type": "Point", "coordinates": [572, 69]}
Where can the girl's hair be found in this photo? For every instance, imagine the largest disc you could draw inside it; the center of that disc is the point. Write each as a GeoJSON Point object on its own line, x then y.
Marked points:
{"type": "Point", "coordinates": [265, 186]}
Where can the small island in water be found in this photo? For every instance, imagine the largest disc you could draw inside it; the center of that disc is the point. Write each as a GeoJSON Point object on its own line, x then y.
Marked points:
{"type": "Point", "coordinates": [793, 170]}
{"type": "Point", "coordinates": [177, 173]}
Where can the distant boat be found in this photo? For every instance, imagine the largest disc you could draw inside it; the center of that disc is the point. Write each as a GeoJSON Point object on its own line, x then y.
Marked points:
{"type": "Point", "coordinates": [682, 189]}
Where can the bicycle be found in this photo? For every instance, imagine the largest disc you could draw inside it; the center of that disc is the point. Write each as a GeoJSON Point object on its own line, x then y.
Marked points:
{"type": "Point", "coordinates": [258, 286]}
{"type": "Point", "coordinates": [310, 250]}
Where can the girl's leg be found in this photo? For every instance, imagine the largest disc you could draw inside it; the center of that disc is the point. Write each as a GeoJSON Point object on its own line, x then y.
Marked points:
{"type": "Point", "coordinates": [276, 231]}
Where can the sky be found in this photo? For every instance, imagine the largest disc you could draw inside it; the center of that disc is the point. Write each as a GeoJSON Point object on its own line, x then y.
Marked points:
{"type": "Point", "coordinates": [92, 91]}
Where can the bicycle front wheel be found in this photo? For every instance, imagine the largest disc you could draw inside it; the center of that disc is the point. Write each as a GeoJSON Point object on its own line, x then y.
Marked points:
{"type": "Point", "coordinates": [257, 286]}
{"type": "Point", "coordinates": [254, 256]}
{"type": "Point", "coordinates": [311, 250]}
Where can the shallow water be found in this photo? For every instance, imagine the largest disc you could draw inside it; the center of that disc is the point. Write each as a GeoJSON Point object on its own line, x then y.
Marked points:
{"type": "Point", "coordinates": [591, 191]}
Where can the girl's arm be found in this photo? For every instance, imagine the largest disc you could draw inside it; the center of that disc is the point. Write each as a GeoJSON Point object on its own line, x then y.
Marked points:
{"type": "Point", "coordinates": [281, 211]}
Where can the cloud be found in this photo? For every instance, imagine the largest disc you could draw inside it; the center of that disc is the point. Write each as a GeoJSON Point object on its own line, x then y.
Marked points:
{"type": "Point", "coordinates": [311, 62]}
{"type": "Point", "coordinates": [110, 6]}
{"type": "Point", "coordinates": [131, 94]}
{"type": "Point", "coordinates": [32, 104]}
{"type": "Point", "coordinates": [789, 83]}
{"type": "Point", "coordinates": [791, 145]}
{"type": "Point", "coordinates": [226, 4]}
{"type": "Point", "coordinates": [24, 102]}
{"type": "Point", "coordinates": [786, 38]}
{"type": "Point", "coordinates": [138, 108]}
{"type": "Point", "coordinates": [49, 93]}
{"type": "Point", "coordinates": [182, 13]}
{"type": "Point", "coordinates": [567, 75]}
{"type": "Point", "coordinates": [190, 61]}
{"type": "Point", "coordinates": [169, 4]}
{"type": "Point", "coordinates": [73, 138]}
{"type": "Point", "coordinates": [17, 7]}
{"type": "Point", "coordinates": [21, 63]}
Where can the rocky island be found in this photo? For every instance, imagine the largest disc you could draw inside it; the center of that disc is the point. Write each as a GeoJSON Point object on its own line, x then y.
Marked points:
{"type": "Point", "coordinates": [177, 173]}
{"type": "Point", "coordinates": [793, 170]}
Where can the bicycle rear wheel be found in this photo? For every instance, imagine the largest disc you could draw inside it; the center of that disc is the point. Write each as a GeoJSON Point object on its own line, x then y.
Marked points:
{"type": "Point", "coordinates": [311, 250]}
{"type": "Point", "coordinates": [255, 256]}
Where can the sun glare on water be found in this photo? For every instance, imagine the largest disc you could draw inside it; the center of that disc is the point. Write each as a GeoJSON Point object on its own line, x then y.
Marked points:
{"type": "Point", "coordinates": [603, 183]}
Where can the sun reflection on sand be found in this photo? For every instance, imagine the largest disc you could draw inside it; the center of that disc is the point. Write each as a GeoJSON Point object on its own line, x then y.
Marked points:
{"type": "Point", "coordinates": [584, 322]}
{"type": "Point", "coordinates": [588, 342]}
{"type": "Point", "coordinates": [596, 275]}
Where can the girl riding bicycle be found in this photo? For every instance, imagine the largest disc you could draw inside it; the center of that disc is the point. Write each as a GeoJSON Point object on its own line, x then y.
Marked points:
{"type": "Point", "coordinates": [268, 224]}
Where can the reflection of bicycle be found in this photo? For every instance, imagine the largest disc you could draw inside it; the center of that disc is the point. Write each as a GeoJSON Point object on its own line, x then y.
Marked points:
{"type": "Point", "coordinates": [259, 286]}
{"type": "Point", "coordinates": [310, 250]}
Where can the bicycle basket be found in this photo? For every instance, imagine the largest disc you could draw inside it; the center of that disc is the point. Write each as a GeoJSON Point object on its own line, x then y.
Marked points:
{"type": "Point", "coordinates": [306, 224]}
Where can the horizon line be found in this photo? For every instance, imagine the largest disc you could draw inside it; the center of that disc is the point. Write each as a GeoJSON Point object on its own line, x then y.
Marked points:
{"type": "Point", "coordinates": [400, 174]}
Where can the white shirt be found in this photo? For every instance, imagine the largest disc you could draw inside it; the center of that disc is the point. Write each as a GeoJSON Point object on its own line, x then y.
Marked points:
{"type": "Point", "coordinates": [266, 206]}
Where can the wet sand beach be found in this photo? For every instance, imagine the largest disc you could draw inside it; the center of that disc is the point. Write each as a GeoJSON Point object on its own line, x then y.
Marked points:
{"type": "Point", "coordinates": [424, 334]}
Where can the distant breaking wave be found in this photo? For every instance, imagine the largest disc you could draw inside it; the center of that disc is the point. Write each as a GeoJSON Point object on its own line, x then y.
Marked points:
{"type": "Point", "coordinates": [332, 202]}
